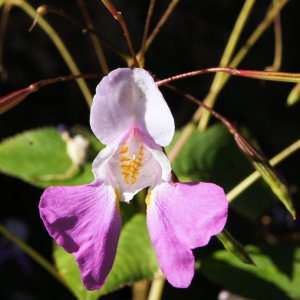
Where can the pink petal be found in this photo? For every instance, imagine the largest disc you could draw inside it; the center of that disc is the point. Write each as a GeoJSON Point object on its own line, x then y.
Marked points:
{"type": "Point", "coordinates": [181, 217]}
{"type": "Point", "coordinates": [86, 222]}
{"type": "Point", "coordinates": [127, 99]}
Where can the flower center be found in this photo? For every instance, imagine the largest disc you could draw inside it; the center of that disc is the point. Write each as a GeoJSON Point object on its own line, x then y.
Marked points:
{"type": "Point", "coordinates": [131, 161]}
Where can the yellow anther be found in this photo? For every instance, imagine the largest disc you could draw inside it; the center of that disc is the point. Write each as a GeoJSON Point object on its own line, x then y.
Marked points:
{"type": "Point", "coordinates": [130, 164]}
{"type": "Point", "coordinates": [124, 158]}
{"type": "Point", "coordinates": [124, 148]}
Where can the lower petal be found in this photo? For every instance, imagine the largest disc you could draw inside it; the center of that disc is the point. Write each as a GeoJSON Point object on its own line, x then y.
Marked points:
{"type": "Point", "coordinates": [175, 260]}
{"type": "Point", "coordinates": [86, 222]}
{"type": "Point", "coordinates": [181, 217]}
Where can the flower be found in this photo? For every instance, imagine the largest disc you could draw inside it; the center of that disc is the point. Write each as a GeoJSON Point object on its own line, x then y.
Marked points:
{"type": "Point", "coordinates": [130, 116]}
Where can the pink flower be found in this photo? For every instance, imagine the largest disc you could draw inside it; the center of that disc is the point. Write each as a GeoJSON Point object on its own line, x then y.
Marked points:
{"type": "Point", "coordinates": [130, 116]}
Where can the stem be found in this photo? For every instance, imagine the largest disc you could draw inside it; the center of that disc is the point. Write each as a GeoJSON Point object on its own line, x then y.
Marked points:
{"type": "Point", "coordinates": [294, 95]}
{"type": "Point", "coordinates": [91, 31]}
{"type": "Point", "coordinates": [236, 32]}
{"type": "Point", "coordinates": [217, 85]}
{"type": "Point", "coordinates": [157, 286]}
{"type": "Point", "coordinates": [59, 45]}
{"type": "Point", "coordinates": [278, 43]}
{"type": "Point", "coordinates": [12, 99]}
{"type": "Point", "coordinates": [160, 24]}
{"type": "Point", "coordinates": [140, 290]}
{"type": "Point", "coordinates": [34, 255]}
{"type": "Point", "coordinates": [269, 18]}
{"type": "Point", "coordinates": [3, 27]}
{"type": "Point", "coordinates": [95, 41]}
{"type": "Point", "coordinates": [254, 74]}
{"type": "Point", "coordinates": [141, 53]}
{"type": "Point", "coordinates": [118, 16]}
{"type": "Point", "coordinates": [216, 88]}
{"type": "Point", "coordinates": [243, 185]}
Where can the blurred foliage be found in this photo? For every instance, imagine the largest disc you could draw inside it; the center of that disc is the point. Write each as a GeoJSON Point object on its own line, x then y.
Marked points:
{"type": "Point", "coordinates": [275, 276]}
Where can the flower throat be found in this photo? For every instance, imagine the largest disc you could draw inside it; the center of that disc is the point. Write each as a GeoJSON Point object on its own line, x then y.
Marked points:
{"type": "Point", "coordinates": [131, 157]}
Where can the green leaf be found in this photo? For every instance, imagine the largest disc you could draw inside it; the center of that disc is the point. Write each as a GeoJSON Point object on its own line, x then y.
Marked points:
{"type": "Point", "coordinates": [35, 153]}
{"type": "Point", "coordinates": [276, 275]}
{"type": "Point", "coordinates": [210, 155]}
{"type": "Point", "coordinates": [135, 260]}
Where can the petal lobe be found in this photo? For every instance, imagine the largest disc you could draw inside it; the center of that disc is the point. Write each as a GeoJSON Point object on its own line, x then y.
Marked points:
{"type": "Point", "coordinates": [86, 222]}
{"type": "Point", "coordinates": [181, 217]}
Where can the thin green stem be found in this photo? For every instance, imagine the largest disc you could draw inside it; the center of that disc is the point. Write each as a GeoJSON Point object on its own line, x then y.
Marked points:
{"type": "Point", "coordinates": [161, 23]}
{"type": "Point", "coordinates": [217, 87]}
{"type": "Point", "coordinates": [278, 44]}
{"type": "Point", "coordinates": [260, 29]}
{"type": "Point", "coordinates": [236, 32]}
{"type": "Point", "coordinates": [294, 95]}
{"type": "Point", "coordinates": [248, 181]}
{"type": "Point", "coordinates": [58, 43]}
{"type": "Point", "coordinates": [33, 254]}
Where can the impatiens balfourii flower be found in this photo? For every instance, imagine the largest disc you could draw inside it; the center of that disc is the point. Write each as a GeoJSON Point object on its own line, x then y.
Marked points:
{"type": "Point", "coordinates": [130, 116]}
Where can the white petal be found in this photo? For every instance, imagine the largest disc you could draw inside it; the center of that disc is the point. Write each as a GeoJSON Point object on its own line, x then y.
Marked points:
{"type": "Point", "coordinates": [158, 119]}
{"type": "Point", "coordinates": [128, 99]}
{"type": "Point", "coordinates": [136, 163]}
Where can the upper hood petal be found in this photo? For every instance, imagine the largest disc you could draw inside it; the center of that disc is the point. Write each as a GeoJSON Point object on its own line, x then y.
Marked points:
{"type": "Point", "coordinates": [125, 99]}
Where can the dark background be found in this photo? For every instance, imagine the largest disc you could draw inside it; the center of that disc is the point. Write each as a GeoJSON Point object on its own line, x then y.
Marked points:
{"type": "Point", "coordinates": [193, 38]}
